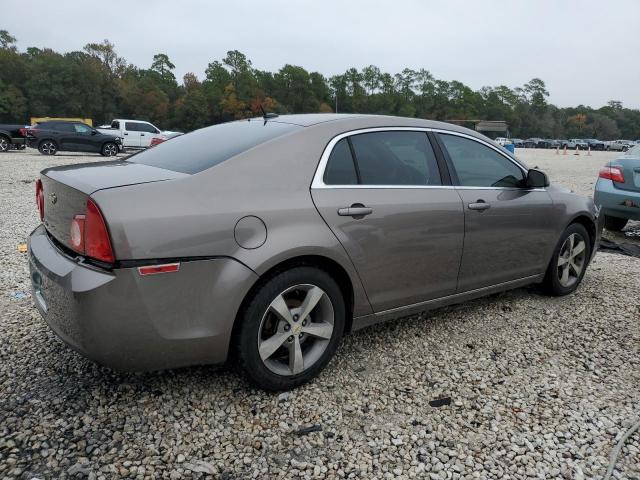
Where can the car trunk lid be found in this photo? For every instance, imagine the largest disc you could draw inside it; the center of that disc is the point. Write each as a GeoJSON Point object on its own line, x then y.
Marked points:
{"type": "Point", "coordinates": [66, 189]}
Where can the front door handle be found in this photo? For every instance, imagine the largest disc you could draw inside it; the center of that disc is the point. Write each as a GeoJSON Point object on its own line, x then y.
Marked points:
{"type": "Point", "coordinates": [479, 205]}
{"type": "Point", "coordinates": [357, 210]}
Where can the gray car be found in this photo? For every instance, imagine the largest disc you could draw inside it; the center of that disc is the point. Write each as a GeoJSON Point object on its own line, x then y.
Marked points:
{"type": "Point", "coordinates": [266, 240]}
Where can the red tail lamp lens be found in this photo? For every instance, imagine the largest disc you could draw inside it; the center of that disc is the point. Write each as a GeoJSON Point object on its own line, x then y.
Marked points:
{"type": "Point", "coordinates": [96, 237]}
{"type": "Point", "coordinates": [612, 173]}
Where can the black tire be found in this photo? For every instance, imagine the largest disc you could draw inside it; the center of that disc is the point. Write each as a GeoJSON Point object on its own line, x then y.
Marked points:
{"type": "Point", "coordinates": [614, 224]}
{"type": "Point", "coordinates": [109, 149]}
{"type": "Point", "coordinates": [251, 317]}
{"type": "Point", "coordinates": [552, 284]}
{"type": "Point", "coordinates": [48, 147]}
{"type": "Point", "coordinates": [5, 143]}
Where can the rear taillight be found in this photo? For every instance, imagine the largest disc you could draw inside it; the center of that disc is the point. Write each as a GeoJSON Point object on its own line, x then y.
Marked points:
{"type": "Point", "coordinates": [23, 132]}
{"type": "Point", "coordinates": [40, 199]}
{"type": "Point", "coordinates": [89, 235]}
{"type": "Point", "coordinates": [612, 173]}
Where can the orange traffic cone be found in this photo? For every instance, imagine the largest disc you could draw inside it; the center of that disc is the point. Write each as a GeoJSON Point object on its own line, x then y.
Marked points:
{"type": "Point", "coordinates": [589, 151]}
{"type": "Point", "coordinates": [577, 150]}
{"type": "Point", "coordinates": [565, 149]}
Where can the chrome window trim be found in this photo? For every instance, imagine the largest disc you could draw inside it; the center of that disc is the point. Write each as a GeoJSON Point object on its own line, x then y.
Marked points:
{"type": "Point", "coordinates": [318, 180]}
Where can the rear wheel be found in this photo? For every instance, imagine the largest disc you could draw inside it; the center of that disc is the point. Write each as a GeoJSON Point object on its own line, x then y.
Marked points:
{"type": "Point", "coordinates": [109, 149]}
{"type": "Point", "coordinates": [569, 261]}
{"type": "Point", "coordinates": [4, 143]}
{"type": "Point", "coordinates": [615, 224]}
{"type": "Point", "coordinates": [48, 147]}
{"type": "Point", "coordinates": [291, 328]}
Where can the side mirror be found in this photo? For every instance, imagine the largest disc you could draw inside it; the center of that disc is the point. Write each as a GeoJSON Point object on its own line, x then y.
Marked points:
{"type": "Point", "coordinates": [537, 179]}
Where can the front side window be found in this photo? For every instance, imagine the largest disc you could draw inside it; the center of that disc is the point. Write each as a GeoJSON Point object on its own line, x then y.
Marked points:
{"type": "Point", "coordinates": [145, 127]}
{"type": "Point", "coordinates": [79, 128]}
{"type": "Point", "coordinates": [478, 165]}
{"type": "Point", "coordinates": [395, 158]}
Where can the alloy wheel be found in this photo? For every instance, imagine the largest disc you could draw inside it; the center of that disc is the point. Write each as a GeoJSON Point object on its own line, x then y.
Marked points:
{"type": "Point", "coordinates": [110, 150]}
{"type": "Point", "coordinates": [571, 260]}
{"type": "Point", "coordinates": [4, 144]}
{"type": "Point", "coordinates": [48, 148]}
{"type": "Point", "coordinates": [296, 329]}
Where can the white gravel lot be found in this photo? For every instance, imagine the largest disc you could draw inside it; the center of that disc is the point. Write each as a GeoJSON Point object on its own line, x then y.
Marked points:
{"type": "Point", "coordinates": [540, 387]}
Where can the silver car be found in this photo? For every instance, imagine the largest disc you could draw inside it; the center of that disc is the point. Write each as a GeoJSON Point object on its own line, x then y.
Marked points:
{"type": "Point", "coordinates": [266, 240]}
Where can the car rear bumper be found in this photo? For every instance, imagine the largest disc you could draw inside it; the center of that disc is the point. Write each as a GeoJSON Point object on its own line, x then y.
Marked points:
{"type": "Point", "coordinates": [616, 202]}
{"type": "Point", "coordinates": [131, 322]}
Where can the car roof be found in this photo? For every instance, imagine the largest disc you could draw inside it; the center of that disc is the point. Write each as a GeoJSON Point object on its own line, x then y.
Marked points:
{"type": "Point", "coordinates": [366, 121]}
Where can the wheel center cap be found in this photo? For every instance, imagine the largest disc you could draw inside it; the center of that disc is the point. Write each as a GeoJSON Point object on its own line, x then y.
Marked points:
{"type": "Point", "coordinates": [296, 328]}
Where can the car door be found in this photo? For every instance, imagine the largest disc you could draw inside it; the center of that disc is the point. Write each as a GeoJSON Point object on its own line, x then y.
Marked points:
{"type": "Point", "coordinates": [84, 139]}
{"type": "Point", "coordinates": [65, 136]}
{"type": "Point", "coordinates": [400, 221]}
{"type": "Point", "coordinates": [132, 134]}
{"type": "Point", "coordinates": [507, 231]}
{"type": "Point", "coordinates": [147, 132]}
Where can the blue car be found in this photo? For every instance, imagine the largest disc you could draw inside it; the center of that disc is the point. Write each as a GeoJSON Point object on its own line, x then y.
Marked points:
{"type": "Point", "coordinates": [618, 190]}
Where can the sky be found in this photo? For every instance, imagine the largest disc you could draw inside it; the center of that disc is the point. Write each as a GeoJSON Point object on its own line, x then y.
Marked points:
{"type": "Point", "coordinates": [586, 51]}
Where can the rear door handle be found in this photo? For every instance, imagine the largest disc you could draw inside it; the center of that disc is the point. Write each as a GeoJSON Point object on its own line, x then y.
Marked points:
{"type": "Point", "coordinates": [356, 210]}
{"type": "Point", "coordinates": [479, 205]}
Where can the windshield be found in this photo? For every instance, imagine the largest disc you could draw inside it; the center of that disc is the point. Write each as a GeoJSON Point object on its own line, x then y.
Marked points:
{"type": "Point", "coordinates": [207, 147]}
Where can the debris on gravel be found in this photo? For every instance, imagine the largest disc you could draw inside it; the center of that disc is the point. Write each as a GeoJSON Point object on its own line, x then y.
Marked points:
{"type": "Point", "coordinates": [526, 386]}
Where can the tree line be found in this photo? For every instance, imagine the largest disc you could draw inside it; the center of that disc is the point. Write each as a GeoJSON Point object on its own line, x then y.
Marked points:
{"type": "Point", "coordinates": [97, 83]}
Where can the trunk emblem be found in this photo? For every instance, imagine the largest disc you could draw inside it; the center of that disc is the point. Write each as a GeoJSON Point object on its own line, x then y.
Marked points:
{"type": "Point", "coordinates": [53, 197]}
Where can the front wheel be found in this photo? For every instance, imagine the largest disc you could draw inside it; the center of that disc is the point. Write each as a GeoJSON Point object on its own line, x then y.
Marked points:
{"type": "Point", "coordinates": [109, 149]}
{"type": "Point", "coordinates": [614, 224]}
{"type": "Point", "coordinates": [4, 143]}
{"type": "Point", "coordinates": [569, 261]}
{"type": "Point", "coordinates": [48, 147]}
{"type": "Point", "coordinates": [291, 328]}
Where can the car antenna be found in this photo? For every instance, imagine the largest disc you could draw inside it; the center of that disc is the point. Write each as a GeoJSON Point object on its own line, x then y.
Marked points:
{"type": "Point", "coordinates": [267, 115]}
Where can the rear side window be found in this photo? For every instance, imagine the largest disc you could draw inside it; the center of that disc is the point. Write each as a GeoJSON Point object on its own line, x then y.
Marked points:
{"type": "Point", "coordinates": [340, 168]}
{"type": "Point", "coordinates": [131, 127]}
{"type": "Point", "coordinates": [395, 158]}
{"type": "Point", "coordinates": [207, 147]}
{"type": "Point", "coordinates": [478, 165]}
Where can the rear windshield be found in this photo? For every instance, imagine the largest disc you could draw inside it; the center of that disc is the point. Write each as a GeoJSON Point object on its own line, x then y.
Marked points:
{"type": "Point", "coordinates": [202, 149]}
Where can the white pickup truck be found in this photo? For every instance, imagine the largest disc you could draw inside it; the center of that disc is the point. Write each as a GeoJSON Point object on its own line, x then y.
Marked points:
{"type": "Point", "coordinates": [135, 133]}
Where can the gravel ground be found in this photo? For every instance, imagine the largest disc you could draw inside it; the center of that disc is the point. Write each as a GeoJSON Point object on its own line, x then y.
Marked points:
{"type": "Point", "coordinates": [539, 387]}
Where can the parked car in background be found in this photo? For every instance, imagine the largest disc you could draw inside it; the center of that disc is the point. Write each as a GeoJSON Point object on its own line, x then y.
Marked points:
{"type": "Point", "coordinates": [617, 190]}
{"type": "Point", "coordinates": [229, 249]}
{"type": "Point", "coordinates": [618, 145]}
{"type": "Point", "coordinates": [502, 141]}
{"type": "Point", "coordinates": [553, 143]}
{"type": "Point", "coordinates": [61, 136]}
{"type": "Point", "coordinates": [530, 143]}
{"type": "Point", "coordinates": [594, 143]}
{"type": "Point", "coordinates": [12, 136]}
{"type": "Point", "coordinates": [135, 133]}
{"type": "Point", "coordinates": [540, 143]}
{"type": "Point", "coordinates": [517, 142]}
{"type": "Point", "coordinates": [577, 142]}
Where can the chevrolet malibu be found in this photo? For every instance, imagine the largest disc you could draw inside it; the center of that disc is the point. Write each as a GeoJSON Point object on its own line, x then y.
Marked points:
{"type": "Point", "coordinates": [266, 240]}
